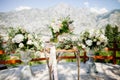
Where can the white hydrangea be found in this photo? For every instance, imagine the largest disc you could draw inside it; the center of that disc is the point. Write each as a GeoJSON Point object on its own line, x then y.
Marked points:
{"type": "Point", "coordinates": [88, 42]}
{"type": "Point", "coordinates": [18, 38]}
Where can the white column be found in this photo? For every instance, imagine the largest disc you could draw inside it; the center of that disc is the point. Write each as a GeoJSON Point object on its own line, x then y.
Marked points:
{"type": "Point", "coordinates": [53, 62]}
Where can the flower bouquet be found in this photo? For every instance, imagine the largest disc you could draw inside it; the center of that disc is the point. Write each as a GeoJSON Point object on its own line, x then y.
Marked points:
{"type": "Point", "coordinates": [20, 39]}
{"type": "Point", "coordinates": [69, 43]}
{"type": "Point", "coordinates": [93, 40]}
{"type": "Point", "coordinates": [60, 26]}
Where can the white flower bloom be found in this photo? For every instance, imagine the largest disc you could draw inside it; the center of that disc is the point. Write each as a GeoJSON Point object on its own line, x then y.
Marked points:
{"type": "Point", "coordinates": [56, 26]}
{"type": "Point", "coordinates": [36, 44]}
{"type": "Point", "coordinates": [83, 46]}
{"type": "Point", "coordinates": [5, 38]}
{"type": "Point", "coordinates": [30, 36]}
{"type": "Point", "coordinates": [43, 45]}
{"type": "Point", "coordinates": [18, 38]}
{"type": "Point", "coordinates": [88, 42]}
{"type": "Point", "coordinates": [102, 38]}
{"type": "Point", "coordinates": [94, 40]}
{"type": "Point", "coordinates": [71, 27]}
{"type": "Point", "coordinates": [29, 42]}
{"type": "Point", "coordinates": [13, 40]}
{"type": "Point", "coordinates": [98, 42]}
{"type": "Point", "coordinates": [74, 38]}
{"type": "Point", "coordinates": [21, 45]}
{"type": "Point", "coordinates": [37, 54]}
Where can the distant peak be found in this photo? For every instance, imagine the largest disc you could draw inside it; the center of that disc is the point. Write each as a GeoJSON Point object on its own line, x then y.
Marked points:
{"type": "Point", "coordinates": [65, 5]}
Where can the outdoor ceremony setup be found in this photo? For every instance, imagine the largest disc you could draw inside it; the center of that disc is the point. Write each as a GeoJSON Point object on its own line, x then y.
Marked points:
{"type": "Point", "coordinates": [29, 46]}
{"type": "Point", "coordinates": [57, 43]}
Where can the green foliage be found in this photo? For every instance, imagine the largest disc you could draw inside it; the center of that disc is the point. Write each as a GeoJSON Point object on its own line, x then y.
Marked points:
{"type": "Point", "coordinates": [3, 56]}
{"type": "Point", "coordinates": [1, 48]}
{"type": "Point", "coordinates": [112, 34]}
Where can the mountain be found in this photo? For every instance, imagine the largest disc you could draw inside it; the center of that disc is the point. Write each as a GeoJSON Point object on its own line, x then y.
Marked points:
{"type": "Point", "coordinates": [37, 20]}
{"type": "Point", "coordinates": [112, 17]}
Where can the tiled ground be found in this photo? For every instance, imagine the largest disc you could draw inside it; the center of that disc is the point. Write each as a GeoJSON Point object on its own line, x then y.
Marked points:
{"type": "Point", "coordinates": [66, 71]}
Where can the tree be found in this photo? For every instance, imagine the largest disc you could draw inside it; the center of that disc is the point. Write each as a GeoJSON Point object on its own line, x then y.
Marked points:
{"type": "Point", "coordinates": [112, 34]}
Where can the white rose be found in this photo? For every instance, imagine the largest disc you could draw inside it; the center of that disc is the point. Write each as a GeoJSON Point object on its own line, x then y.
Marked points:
{"type": "Point", "coordinates": [18, 38]}
{"type": "Point", "coordinates": [102, 38]}
{"type": "Point", "coordinates": [13, 40]}
{"type": "Point", "coordinates": [88, 42]}
{"type": "Point", "coordinates": [21, 45]}
{"type": "Point", "coordinates": [94, 40]}
{"type": "Point", "coordinates": [98, 43]}
{"type": "Point", "coordinates": [83, 46]}
{"type": "Point", "coordinates": [29, 42]}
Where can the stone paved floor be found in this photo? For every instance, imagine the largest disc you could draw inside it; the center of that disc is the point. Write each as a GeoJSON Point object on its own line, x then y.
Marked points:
{"type": "Point", "coordinates": [67, 71]}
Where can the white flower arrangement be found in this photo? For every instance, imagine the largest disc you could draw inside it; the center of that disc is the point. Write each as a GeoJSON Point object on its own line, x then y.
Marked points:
{"type": "Point", "coordinates": [20, 39]}
{"type": "Point", "coordinates": [93, 39]}
{"type": "Point", "coordinates": [60, 26]}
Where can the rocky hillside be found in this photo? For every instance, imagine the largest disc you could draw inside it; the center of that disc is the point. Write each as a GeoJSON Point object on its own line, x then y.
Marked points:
{"type": "Point", "coordinates": [37, 20]}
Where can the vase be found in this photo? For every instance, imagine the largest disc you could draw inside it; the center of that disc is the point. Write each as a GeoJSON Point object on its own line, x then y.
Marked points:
{"type": "Point", "coordinates": [91, 67]}
{"type": "Point", "coordinates": [26, 56]}
{"type": "Point", "coordinates": [26, 72]}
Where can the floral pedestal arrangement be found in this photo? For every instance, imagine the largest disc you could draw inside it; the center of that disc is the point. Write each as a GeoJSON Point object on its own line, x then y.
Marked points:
{"type": "Point", "coordinates": [25, 57]}
{"type": "Point", "coordinates": [60, 26]}
{"type": "Point", "coordinates": [93, 40]}
{"type": "Point", "coordinates": [91, 67]}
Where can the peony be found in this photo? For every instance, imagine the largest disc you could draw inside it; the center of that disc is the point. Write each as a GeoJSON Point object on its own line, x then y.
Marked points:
{"type": "Point", "coordinates": [88, 42]}
{"type": "Point", "coordinates": [18, 38]}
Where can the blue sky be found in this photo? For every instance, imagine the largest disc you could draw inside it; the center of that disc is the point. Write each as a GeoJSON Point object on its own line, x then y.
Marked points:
{"type": "Point", "coordinates": [95, 5]}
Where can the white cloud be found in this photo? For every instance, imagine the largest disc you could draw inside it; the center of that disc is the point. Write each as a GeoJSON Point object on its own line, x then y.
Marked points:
{"type": "Point", "coordinates": [86, 4]}
{"type": "Point", "coordinates": [98, 11]}
{"type": "Point", "coordinates": [118, 0]}
{"type": "Point", "coordinates": [22, 8]}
